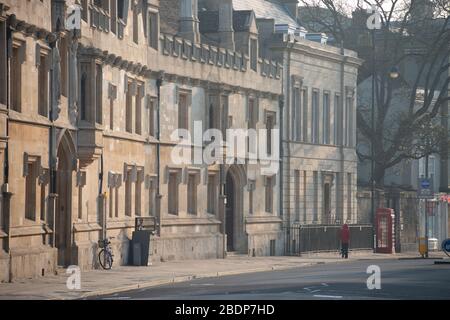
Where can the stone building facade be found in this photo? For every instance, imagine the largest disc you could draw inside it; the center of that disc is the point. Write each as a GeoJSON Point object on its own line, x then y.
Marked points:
{"type": "Point", "coordinates": [88, 120]}
{"type": "Point", "coordinates": [320, 162]}
{"type": "Point", "coordinates": [86, 133]}
{"type": "Point", "coordinates": [319, 116]}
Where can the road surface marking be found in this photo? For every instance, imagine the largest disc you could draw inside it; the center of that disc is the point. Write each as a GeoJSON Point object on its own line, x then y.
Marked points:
{"type": "Point", "coordinates": [325, 296]}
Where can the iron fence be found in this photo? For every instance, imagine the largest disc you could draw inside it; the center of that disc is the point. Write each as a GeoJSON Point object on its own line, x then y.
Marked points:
{"type": "Point", "coordinates": [321, 238]}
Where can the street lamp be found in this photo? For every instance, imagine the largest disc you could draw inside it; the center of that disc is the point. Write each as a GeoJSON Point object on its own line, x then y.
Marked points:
{"type": "Point", "coordinates": [372, 149]}
{"type": "Point", "coordinates": [394, 73]}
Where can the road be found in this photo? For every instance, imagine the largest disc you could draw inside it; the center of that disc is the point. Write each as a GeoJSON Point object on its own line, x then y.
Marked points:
{"type": "Point", "coordinates": [400, 279]}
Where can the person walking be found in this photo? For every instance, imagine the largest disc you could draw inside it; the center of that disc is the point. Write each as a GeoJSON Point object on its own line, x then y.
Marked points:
{"type": "Point", "coordinates": [345, 240]}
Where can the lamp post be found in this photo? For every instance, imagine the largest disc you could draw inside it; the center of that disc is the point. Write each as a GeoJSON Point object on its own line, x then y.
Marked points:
{"type": "Point", "coordinates": [426, 210]}
{"type": "Point", "coordinates": [428, 145]}
{"type": "Point", "coordinates": [393, 75]}
{"type": "Point", "coordinates": [372, 149]}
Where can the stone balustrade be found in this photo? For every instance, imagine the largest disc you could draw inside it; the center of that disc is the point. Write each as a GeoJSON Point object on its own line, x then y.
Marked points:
{"type": "Point", "coordinates": [220, 57]}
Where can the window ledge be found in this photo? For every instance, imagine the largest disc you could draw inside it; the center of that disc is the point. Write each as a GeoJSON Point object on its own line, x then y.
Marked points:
{"type": "Point", "coordinates": [84, 227]}
{"type": "Point", "coordinates": [125, 135]}
{"type": "Point", "coordinates": [177, 221]}
{"type": "Point", "coordinates": [27, 230]}
{"type": "Point", "coordinates": [34, 119]}
{"type": "Point", "coordinates": [263, 219]}
{"type": "Point", "coordinates": [120, 224]}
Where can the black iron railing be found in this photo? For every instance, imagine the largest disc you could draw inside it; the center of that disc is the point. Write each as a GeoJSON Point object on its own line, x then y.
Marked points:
{"type": "Point", "coordinates": [320, 238]}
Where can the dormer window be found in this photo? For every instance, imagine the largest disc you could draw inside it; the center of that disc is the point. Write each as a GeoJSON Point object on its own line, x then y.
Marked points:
{"type": "Point", "coordinates": [119, 17]}
{"type": "Point", "coordinates": [122, 9]}
{"type": "Point", "coordinates": [102, 4]}
{"type": "Point", "coordinates": [153, 30]}
{"type": "Point", "coordinates": [100, 15]}
{"type": "Point", "coordinates": [84, 10]}
{"type": "Point", "coordinates": [98, 3]}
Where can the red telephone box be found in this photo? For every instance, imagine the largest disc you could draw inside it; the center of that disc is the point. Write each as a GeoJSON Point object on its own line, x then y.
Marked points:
{"type": "Point", "coordinates": [384, 229]}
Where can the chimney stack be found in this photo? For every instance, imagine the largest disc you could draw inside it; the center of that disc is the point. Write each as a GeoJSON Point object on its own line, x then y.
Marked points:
{"type": "Point", "coordinates": [226, 32]}
{"type": "Point", "coordinates": [189, 23]}
{"type": "Point", "coordinates": [292, 7]}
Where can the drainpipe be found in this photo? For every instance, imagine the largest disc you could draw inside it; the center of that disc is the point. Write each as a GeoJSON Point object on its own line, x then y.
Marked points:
{"type": "Point", "coordinates": [281, 106]}
{"type": "Point", "coordinates": [102, 197]}
{"type": "Point", "coordinates": [288, 155]}
{"type": "Point", "coordinates": [159, 82]}
{"type": "Point", "coordinates": [341, 132]}
{"type": "Point", "coordinates": [8, 56]}
{"type": "Point", "coordinates": [53, 154]}
{"type": "Point", "coordinates": [5, 188]}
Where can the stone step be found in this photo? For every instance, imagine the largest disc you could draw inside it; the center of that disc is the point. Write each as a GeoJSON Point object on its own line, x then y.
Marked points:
{"type": "Point", "coordinates": [236, 254]}
{"type": "Point", "coordinates": [60, 270]}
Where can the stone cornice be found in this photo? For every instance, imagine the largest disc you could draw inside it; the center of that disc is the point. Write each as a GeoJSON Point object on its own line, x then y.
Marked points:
{"type": "Point", "coordinates": [313, 50]}
{"type": "Point", "coordinates": [138, 69]}
{"type": "Point", "coordinates": [31, 30]}
{"type": "Point", "coordinates": [3, 9]}
{"type": "Point", "coordinates": [143, 71]}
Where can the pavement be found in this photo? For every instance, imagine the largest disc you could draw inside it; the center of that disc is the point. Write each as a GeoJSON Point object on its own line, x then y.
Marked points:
{"type": "Point", "coordinates": [125, 278]}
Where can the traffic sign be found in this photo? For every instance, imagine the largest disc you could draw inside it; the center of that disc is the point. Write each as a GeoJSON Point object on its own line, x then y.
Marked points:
{"type": "Point", "coordinates": [425, 184]}
{"type": "Point", "coordinates": [425, 190]}
{"type": "Point", "coordinates": [446, 245]}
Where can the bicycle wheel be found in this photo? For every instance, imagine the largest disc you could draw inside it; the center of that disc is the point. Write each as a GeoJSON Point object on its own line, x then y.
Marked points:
{"type": "Point", "coordinates": [105, 259]}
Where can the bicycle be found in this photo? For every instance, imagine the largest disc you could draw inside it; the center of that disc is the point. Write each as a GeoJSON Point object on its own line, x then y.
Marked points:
{"type": "Point", "coordinates": [105, 256]}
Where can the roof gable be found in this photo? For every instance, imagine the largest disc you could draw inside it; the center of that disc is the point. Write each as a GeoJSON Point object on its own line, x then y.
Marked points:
{"type": "Point", "coordinates": [243, 21]}
{"type": "Point", "coordinates": [267, 9]}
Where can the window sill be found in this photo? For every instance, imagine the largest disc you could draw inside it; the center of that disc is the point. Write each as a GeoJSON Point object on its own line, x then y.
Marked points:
{"type": "Point", "coordinates": [86, 227]}
{"type": "Point", "coordinates": [125, 135]}
{"type": "Point", "coordinates": [28, 230]}
{"type": "Point", "coordinates": [263, 219]}
{"type": "Point", "coordinates": [191, 220]}
{"type": "Point", "coordinates": [32, 119]}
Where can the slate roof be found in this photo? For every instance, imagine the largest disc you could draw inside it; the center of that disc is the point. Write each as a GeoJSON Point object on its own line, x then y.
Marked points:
{"type": "Point", "coordinates": [267, 9]}
{"type": "Point", "coordinates": [209, 21]}
{"type": "Point", "coordinates": [242, 20]}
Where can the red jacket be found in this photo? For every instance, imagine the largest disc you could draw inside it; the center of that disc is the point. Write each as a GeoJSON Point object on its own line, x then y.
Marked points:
{"type": "Point", "coordinates": [345, 234]}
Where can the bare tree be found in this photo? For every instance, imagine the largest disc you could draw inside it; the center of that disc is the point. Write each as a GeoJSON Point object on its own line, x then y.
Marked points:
{"type": "Point", "coordinates": [414, 36]}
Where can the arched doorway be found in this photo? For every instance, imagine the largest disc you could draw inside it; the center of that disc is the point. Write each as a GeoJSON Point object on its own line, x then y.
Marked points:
{"type": "Point", "coordinates": [234, 218]}
{"type": "Point", "coordinates": [230, 211]}
{"type": "Point", "coordinates": [63, 214]}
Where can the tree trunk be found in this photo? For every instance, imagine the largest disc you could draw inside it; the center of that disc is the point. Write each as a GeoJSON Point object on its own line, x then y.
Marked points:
{"type": "Point", "coordinates": [378, 174]}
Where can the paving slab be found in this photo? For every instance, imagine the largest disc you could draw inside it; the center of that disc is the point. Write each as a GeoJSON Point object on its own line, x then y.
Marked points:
{"type": "Point", "coordinates": [124, 278]}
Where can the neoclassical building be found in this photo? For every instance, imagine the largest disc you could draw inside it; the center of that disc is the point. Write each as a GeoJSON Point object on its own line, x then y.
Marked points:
{"type": "Point", "coordinates": [94, 122]}
{"type": "Point", "coordinates": [319, 116]}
